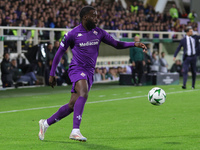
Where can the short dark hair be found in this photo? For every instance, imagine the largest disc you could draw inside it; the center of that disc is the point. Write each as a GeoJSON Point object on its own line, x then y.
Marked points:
{"type": "Point", "coordinates": [162, 53]}
{"type": "Point", "coordinates": [188, 29]}
{"type": "Point", "coordinates": [85, 10]}
{"type": "Point", "coordinates": [5, 54]}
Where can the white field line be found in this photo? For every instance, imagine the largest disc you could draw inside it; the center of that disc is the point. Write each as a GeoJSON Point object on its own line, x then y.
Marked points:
{"type": "Point", "coordinates": [101, 101]}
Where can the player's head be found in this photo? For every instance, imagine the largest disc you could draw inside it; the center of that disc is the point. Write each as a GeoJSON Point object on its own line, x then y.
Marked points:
{"type": "Point", "coordinates": [189, 31]}
{"type": "Point", "coordinates": [88, 16]}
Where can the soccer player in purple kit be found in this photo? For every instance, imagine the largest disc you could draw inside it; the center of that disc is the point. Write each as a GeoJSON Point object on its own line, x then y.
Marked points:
{"type": "Point", "coordinates": [84, 41]}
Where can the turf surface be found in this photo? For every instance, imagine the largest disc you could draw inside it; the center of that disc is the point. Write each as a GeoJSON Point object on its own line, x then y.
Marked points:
{"type": "Point", "coordinates": [115, 118]}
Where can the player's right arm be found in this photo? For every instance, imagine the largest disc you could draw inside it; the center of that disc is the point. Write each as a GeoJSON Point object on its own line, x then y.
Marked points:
{"type": "Point", "coordinates": [65, 43]}
{"type": "Point", "coordinates": [177, 50]}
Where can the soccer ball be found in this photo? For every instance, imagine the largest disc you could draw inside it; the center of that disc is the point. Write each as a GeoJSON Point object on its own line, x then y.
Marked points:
{"type": "Point", "coordinates": [157, 96]}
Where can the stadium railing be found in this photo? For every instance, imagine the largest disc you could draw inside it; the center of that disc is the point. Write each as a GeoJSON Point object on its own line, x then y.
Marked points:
{"type": "Point", "coordinates": [153, 37]}
{"type": "Point", "coordinates": [115, 33]}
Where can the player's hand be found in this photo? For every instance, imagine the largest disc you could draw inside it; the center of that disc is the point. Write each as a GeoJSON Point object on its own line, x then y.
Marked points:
{"type": "Point", "coordinates": [141, 45]}
{"type": "Point", "coordinates": [52, 81]}
{"type": "Point", "coordinates": [174, 58]}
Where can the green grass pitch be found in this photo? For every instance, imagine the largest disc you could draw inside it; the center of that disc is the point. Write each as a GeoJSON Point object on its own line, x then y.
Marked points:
{"type": "Point", "coordinates": [115, 118]}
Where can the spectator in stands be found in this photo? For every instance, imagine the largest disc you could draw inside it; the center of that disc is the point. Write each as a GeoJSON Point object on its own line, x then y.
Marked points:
{"type": "Point", "coordinates": [163, 63]}
{"type": "Point", "coordinates": [155, 62]}
{"type": "Point", "coordinates": [137, 60]}
{"type": "Point", "coordinates": [107, 26]}
{"type": "Point", "coordinates": [102, 24]}
{"type": "Point", "coordinates": [149, 10]}
{"type": "Point", "coordinates": [168, 18]}
{"type": "Point", "coordinates": [184, 14]}
{"type": "Point", "coordinates": [179, 13]}
{"type": "Point", "coordinates": [56, 46]}
{"type": "Point", "coordinates": [60, 71]}
{"type": "Point", "coordinates": [103, 74]}
{"type": "Point", "coordinates": [134, 7]}
{"type": "Point", "coordinates": [127, 69]}
{"type": "Point", "coordinates": [1, 23]}
{"type": "Point", "coordinates": [119, 70]}
{"type": "Point", "coordinates": [113, 73]}
{"type": "Point", "coordinates": [148, 62]}
{"type": "Point", "coordinates": [49, 59]}
{"type": "Point", "coordinates": [140, 6]}
{"type": "Point", "coordinates": [177, 67]}
{"type": "Point", "coordinates": [50, 54]}
{"type": "Point", "coordinates": [97, 75]}
{"type": "Point", "coordinates": [177, 25]}
{"type": "Point", "coordinates": [106, 75]}
{"type": "Point", "coordinates": [151, 18]}
{"type": "Point", "coordinates": [18, 76]}
{"type": "Point", "coordinates": [40, 72]}
{"type": "Point", "coordinates": [195, 31]}
{"type": "Point", "coordinates": [41, 63]}
{"type": "Point", "coordinates": [21, 61]}
{"type": "Point", "coordinates": [174, 12]}
{"type": "Point", "coordinates": [192, 16]}
{"type": "Point", "coordinates": [6, 71]}
{"type": "Point", "coordinates": [65, 57]}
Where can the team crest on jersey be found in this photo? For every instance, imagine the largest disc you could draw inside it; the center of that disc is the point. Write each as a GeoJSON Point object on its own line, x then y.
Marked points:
{"type": "Point", "coordinates": [79, 35]}
{"type": "Point", "coordinates": [82, 74]}
{"type": "Point", "coordinates": [95, 32]}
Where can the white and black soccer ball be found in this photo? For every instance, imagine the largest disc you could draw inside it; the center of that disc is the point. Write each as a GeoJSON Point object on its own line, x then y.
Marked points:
{"type": "Point", "coordinates": [156, 96]}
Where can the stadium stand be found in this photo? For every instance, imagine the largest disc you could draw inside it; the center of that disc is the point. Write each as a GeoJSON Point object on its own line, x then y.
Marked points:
{"type": "Point", "coordinates": [112, 16]}
{"type": "Point", "coordinates": [56, 14]}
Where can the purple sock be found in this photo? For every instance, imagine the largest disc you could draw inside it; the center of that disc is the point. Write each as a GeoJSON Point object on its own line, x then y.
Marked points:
{"type": "Point", "coordinates": [78, 111]}
{"type": "Point", "coordinates": [61, 113]}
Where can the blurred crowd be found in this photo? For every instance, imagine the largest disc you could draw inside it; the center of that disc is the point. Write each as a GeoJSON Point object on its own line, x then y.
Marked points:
{"type": "Point", "coordinates": [21, 70]}
{"type": "Point", "coordinates": [151, 63]}
{"type": "Point", "coordinates": [157, 63]}
{"type": "Point", "coordinates": [110, 73]}
{"type": "Point", "coordinates": [16, 72]}
{"type": "Point", "coordinates": [112, 16]}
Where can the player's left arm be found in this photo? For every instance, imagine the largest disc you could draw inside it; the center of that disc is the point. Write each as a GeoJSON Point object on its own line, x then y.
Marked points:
{"type": "Point", "coordinates": [118, 44]}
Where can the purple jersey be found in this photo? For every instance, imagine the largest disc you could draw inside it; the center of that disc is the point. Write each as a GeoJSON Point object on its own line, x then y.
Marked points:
{"type": "Point", "coordinates": [85, 47]}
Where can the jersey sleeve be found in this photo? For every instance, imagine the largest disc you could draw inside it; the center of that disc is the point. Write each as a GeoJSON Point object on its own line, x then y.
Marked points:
{"type": "Point", "coordinates": [64, 44]}
{"type": "Point", "coordinates": [108, 39]}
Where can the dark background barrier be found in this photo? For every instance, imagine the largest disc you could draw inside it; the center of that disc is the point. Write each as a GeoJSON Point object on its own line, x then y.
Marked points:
{"type": "Point", "coordinates": [151, 79]}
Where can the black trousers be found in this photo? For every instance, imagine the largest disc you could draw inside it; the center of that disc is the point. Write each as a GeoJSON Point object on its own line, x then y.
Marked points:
{"type": "Point", "coordinates": [189, 61]}
{"type": "Point", "coordinates": [139, 70]}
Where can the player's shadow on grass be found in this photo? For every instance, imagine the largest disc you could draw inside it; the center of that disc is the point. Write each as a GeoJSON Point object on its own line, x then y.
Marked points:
{"type": "Point", "coordinates": [51, 141]}
{"type": "Point", "coordinates": [86, 145]}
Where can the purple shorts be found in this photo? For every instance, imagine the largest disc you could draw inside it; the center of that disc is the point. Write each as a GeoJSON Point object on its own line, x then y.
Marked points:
{"type": "Point", "coordinates": [77, 73]}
